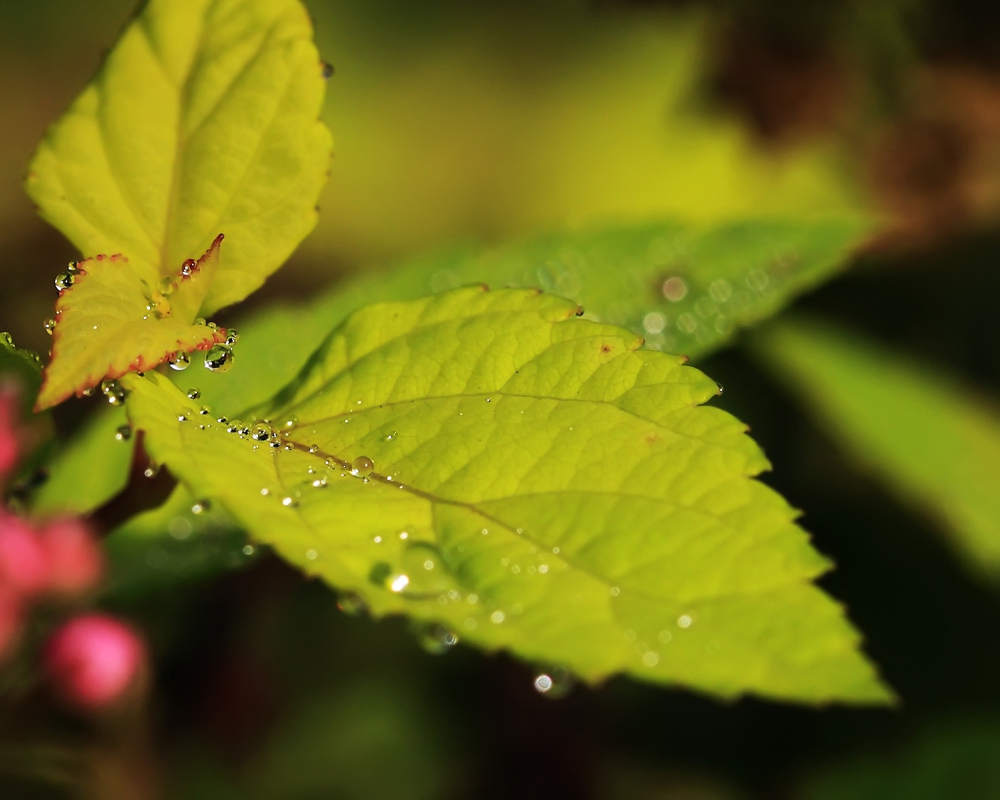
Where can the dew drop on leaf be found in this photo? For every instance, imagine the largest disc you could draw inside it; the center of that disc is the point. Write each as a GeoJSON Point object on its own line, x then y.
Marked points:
{"type": "Point", "coordinates": [260, 432]}
{"type": "Point", "coordinates": [113, 391]}
{"type": "Point", "coordinates": [180, 361]}
{"type": "Point", "coordinates": [188, 266]}
{"type": "Point", "coordinates": [201, 507]}
{"type": "Point", "coordinates": [64, 280]}
{"type": "Point", "coordinates": [232, 336]}
{"type": "Point", "coordinates": [362, 466]}
{"type": "Point", "coordinates": [50, 326]}
{"type": "Point", "coordinates": [554, 683]}
{"type": "Point", "coordinates": [436, 639]}
{"type": "Point", "coordinates": [123, 434]}
{"type": "Point", "coordinates": [219, 358]}
{"type": "Point", "coordinates": [193, 394]}
{"type": "Point", "coordinates": [352, 604]}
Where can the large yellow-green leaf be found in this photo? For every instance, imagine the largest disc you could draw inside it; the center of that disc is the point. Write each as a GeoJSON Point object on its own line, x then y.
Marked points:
{"type": "Point", "coordinates": [203, 119]}
{"type": "Point", "coordinates": [531, 481]}
{"type": "Point", "coordinates": [931, 440]}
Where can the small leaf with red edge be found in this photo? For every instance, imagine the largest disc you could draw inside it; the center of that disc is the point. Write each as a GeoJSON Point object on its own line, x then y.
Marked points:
{"type": "Point", "coordinates": [111, 321]}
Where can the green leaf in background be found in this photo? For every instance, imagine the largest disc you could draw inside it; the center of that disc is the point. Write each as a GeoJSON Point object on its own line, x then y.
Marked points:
{"type": "Point", "coordinates": [77, 483]}
{"type": "Point", "coordinates": [929, 439]}
{"type": "Point", "coordinates": [954, 759]}
{"type": "Point", "coordinates": [533, 482]}
{"type": "Point", "coordinates": [687, 289]}
{"type": "Point", "coordinates": [203, 118]}
{"type": "Point", "coordinates": [110, 321]}
{"type": "Point", "coordinates": [21, 365]}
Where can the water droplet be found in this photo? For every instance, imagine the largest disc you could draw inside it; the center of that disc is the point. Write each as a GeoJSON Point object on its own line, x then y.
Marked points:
{"type": "Point", "coordinates": [352, 604]}
{"type": "Point", "coordinates": [554, 683]}
{"type": "Point", "coordinates": [437, 639]}
{"type": "Point", "coordinates": [205, 411]}
{"type": "Point", "coordinates": [201, 506]}
{"type": "Point", "coordinates": [390, 436]}
{"type": "Point", "coordinates": [188, 266]}
{"type": "Point", "coordinates": [289, 422]}
{"type": "Point", "coordinates": [362, 466]}
{"type": "Point", "coordinates": [113, 391]}
{"type": "Point", "coordinates": [289, 502]}
{"type": "Point", "coordinates": [232, 336]}
{"type": "Point", "coordinates": [64, 280]}
{"type": "Point", "coordinates": [319, 483]}
{"type": "Point", "coordinates": [265, 492]}
{"type": "Point", "coordinates": [313, 449]}
{"type": "Point", "coordinates": [219, 358]}
{"type": "Point", "coordinates": [236, 426]}
{"type": "Point", "coordinates": [684, 621]}
{"type": "Point", "coordinates": [399, 582]}
{"type": "Point", "coordinates": [123, 434]}
{"type": "Point", "coordinates": [193, 394]}
{"type": "Point", "coordinates": [180, 361]}
{"type": "Point", "coordinates": [327, 70]}
{"type": "Point", "coordinates": [152, 470]}
{"type": "Point", "coordinates": [260, 432]}
{"type": "Point", "coordinates": [222, 419]}
{"type": "Point", "coordinates": [50, 326]}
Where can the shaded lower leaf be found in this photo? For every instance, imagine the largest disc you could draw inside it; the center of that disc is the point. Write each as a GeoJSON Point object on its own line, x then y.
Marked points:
{"type": "Point", "coordinates": [534, 482]}
{"type": "Point", "coordinates": [929, 439]}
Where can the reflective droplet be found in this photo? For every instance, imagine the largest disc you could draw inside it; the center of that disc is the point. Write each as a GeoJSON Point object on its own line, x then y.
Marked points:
{"type": "Point", "coordinates": [390, 436]}
{"type": "Point", "coordinates": [260, 432]}
{"type": "Point", "coordinates": [232, 336]}
{"type": "Point", "coordinates": [152, 470]}
{"type": "Point", "coordinates": [554, 683]}
{"type": "Point", "coordinates": [313, 449]}
{"type": "Point", "coordinates": [362, 466]}
{"type": "Point", "coordinates": [180, 361]}
{"type": "Point", "coordinates": [352, 604]}
{"type": "Point", "coordinates": [219, 359]}
{"type": "Point", "coordinates": [437, 639]}
{"type": "Point", "coordinates": [188, 267]}
{"type": "Point", "coordinates": [64, 280]}
{"type": "Point", "coordinates": [193, 394]}
{"type": "Point", "coordinates": [123, 434]}
{"type": "Point", "coordinates": [399, 582]}
{"type": "Point", "coordinates": [50, 326]}
{"type": "Point", "coordinates": [425, 570]}
{"type": "Point", "coordinates": [113, 391]}
{"type": "Point", "coordinates": [289, 502]}
{"type": "Point", "coordinates": [235, 426]}
{"type": "Point", "coordinates": [201, 506]}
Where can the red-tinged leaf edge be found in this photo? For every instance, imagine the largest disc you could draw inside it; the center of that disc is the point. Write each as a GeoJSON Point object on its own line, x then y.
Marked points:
{"type": "Point", "coordinates": [140, 364]}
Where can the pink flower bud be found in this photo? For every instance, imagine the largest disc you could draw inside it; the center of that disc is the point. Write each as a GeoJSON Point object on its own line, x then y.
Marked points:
{"type": "Point", "coordinates": [11, 615]}
{"type": "Point", "coordinates": [75, 560]}
{"type": "Point", "coordinates": [24, 564]}
{"type": "Point", "coordinates": [93, 660]}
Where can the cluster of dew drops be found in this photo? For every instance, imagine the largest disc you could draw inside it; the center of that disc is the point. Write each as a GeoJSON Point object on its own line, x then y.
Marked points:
{"type": "Point", "coordinates": [218, 358]}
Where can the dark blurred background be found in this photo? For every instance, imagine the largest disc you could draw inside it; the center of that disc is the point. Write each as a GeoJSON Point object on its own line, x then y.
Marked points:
{"type": "Point", "coordinates": [458, 121]}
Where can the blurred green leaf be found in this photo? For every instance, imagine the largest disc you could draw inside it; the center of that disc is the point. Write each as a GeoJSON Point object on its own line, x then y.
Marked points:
{"type": "Point", "coordinates": [540, 484]}
{"type": "Point", "coordinates": [203, 119]}
{"type": "Point", "coordinates": [929, 439]}
{"type": "Point", "coordinates": [172, 544]}
{"type": "Point", "coordinates": [91, 469]}
{"type": "Point", "coordinates": [21, 365]}
{"type": "Point", "coordinates": [955, 759]}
